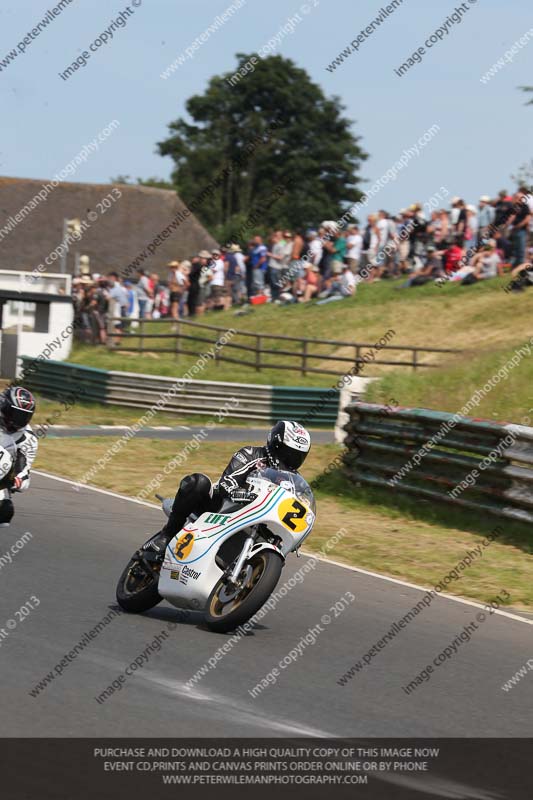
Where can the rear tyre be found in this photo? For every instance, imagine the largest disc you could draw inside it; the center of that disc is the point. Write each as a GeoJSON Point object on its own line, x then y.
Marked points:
{"type": "Point", "coordinates": [137, 588]}
{"type": "Point", "coordinates": [227, 609]}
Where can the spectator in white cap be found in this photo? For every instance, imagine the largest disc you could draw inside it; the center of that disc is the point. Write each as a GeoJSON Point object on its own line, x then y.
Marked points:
{"type": "Point", "coordinates": [219, 298]}
{"type": "Point", "coordinates": [454, 213]}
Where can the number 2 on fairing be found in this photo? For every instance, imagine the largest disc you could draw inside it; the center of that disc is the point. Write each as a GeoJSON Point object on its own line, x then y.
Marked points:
{"type": "Point", "coordinates": [296, 511]}
{"type": "Point", "coordinates": [184, 546]}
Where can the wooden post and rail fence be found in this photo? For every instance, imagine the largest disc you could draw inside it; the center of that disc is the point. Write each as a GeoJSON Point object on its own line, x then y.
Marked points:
{"type": "Point", "coordinates": [261, 351]}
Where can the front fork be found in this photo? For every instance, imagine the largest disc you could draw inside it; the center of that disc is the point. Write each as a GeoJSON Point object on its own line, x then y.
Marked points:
{"type": "Point", "coordinates": [245, 552]}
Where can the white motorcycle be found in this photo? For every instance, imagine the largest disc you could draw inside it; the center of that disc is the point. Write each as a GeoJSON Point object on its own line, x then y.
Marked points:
{"type": "Point", "coordinates": [8, 456]}
{"type": "Point", "coordinates": [229, 562]}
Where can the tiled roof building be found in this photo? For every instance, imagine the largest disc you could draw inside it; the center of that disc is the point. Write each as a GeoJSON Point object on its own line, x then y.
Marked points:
{"type": "Point", "coordinates": [31, 226]}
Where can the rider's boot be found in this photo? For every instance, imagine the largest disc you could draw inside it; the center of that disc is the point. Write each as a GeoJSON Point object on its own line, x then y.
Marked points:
{"type": "Point", "coordinates": [156, 546]}
{"type": "Point", "coordinates": [7, 510]}
{"type": "Point", "coordinates": [194, 495]}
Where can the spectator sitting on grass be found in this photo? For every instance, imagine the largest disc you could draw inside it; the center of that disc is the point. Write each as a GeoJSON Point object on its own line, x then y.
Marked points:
{"type": "Point", "coordinates": [341, 286]}
{"type": "Point", "coordinates": [485, 264]}
{"type": "Point", "coordinates": [429, 272]}
{"type": "Point", "coordinates": [452, 257]}
{"type": "Point", "coordinates": [311, 283]}
{"type": "Point", "coordinates": [522, 275]}
{"type": "Point", "coordinates": [504, 247]}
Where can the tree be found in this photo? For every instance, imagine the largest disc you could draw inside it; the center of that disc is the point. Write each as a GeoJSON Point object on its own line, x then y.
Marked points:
{"type": "Point", "coordinates": [527, 89]}
{"type": "Point", "coordinates": [524, 174]}
{"type": "Point", "coordinates": [264, 144]}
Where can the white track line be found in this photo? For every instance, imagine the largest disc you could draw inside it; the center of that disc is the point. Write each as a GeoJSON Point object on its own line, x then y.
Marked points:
{"type": "Point", "coordinates": [420, 588]}
{"type": "Point", "coordinates": [307, 552]}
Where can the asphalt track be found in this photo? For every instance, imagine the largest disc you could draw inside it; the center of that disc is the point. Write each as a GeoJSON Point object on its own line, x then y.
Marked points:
{"type": "Point", "coordinates": [183, 432]}
{"type": "Point", "coordinates": [82, 540]}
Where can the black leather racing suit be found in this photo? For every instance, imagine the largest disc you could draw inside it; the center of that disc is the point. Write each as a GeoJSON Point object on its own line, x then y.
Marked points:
{"type": "Point", "coordinates": [197, 494]}
{"type": "Point", "coordinates": [244, 461]}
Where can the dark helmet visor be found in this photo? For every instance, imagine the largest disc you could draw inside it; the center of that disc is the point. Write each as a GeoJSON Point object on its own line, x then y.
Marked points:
{"type": "Point", "coordinates": [16, 418]}
{"type": "Point", "coordinates": [290, 457]}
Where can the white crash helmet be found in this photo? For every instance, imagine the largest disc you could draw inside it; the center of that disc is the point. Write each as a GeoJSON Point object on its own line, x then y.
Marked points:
{"type": "Point", "coordinates": [288, 444]}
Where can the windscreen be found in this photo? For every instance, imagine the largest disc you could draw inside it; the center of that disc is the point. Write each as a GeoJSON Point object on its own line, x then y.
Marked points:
{"type": "Point", "coordinates": [290, 481]}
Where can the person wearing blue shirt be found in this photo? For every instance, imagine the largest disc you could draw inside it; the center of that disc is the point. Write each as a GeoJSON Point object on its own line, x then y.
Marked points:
{"type": "Point", "coordinates": [258, 263]}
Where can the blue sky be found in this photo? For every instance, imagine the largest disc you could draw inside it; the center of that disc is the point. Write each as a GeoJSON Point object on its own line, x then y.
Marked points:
{"type": "Point", "coordinates": [485, 130]}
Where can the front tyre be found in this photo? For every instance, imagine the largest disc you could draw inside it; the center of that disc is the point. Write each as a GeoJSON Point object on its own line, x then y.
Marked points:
{"type": "Point", "coordinates": [137, 588]}
{"type": "Point", "coordinates": [228, 608]}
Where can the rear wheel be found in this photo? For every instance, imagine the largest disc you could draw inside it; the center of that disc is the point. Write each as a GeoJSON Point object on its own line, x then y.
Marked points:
{"type": "Point", "coordinates": [137, 587]}
{"type": "Point", "coordinates": [228, 606]}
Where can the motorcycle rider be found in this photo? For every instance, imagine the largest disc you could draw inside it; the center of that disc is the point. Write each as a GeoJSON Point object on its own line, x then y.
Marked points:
{"type": "Point", "coordinates": [17, 406]}
{"type": "Point", "coordinates": [287, 446]}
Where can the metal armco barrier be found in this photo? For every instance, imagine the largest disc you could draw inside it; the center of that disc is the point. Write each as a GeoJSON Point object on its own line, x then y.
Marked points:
{"type": "Point", "coordinates": [58, 379]}
{"type": "Point", "coordinates": [478, 464]}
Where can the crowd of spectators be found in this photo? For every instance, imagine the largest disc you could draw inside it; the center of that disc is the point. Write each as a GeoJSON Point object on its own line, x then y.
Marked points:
{"type": "Point", "coordinates": [465, 243]}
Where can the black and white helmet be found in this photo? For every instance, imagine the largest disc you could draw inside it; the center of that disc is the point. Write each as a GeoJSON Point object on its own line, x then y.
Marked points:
{"type": "Point", "coordinates": [288, 444]}
{"type": "Point", "coordinates": [16, 409]}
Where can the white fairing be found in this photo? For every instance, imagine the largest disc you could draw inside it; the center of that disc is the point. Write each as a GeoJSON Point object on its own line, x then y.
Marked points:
{"type": "Point", "coordinates": [189, 571]}
{"type": "Point", "coordinates": [25, 442]}
{"type": "Point", "coordinates": [6, 462]}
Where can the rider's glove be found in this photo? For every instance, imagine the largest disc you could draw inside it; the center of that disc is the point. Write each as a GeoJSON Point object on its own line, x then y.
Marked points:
{"type": "Point", "coordinates": [20, 483]}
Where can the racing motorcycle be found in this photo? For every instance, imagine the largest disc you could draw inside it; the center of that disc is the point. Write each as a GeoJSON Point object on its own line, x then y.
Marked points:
{"type": "Point", "coordinates": [8, 458]}
{"type": "Point", "coordinates": [229, 562]}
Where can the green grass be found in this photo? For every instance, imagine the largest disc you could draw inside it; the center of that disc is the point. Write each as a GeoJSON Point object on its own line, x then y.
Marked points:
{"type": "Point", "coordinates": [451, 387]}
{"type": "Point", "coordinates": [87, 414]}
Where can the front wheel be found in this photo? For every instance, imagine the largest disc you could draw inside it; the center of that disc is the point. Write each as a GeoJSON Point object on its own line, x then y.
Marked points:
{"type": "Point", "coordinates": [137, 588]}
{"type": "Point", "coordinates": [229, 607]}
